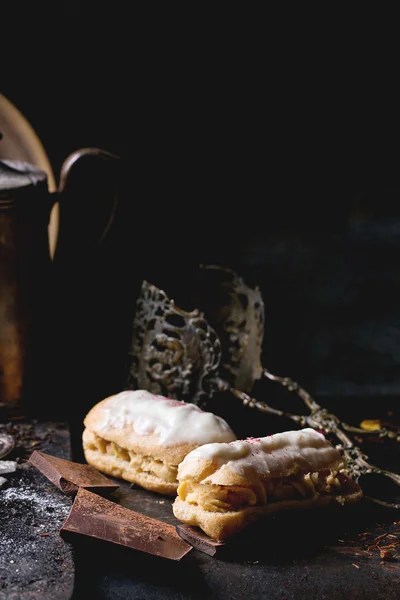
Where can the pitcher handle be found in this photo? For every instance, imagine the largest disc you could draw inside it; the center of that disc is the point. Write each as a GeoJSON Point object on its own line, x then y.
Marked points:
{"type": "Point", "coordinates": [65, 173]}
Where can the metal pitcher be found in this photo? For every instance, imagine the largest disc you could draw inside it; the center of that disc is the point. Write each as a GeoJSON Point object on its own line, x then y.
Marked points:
{"type": "Point", "coordinates": [26, 274]}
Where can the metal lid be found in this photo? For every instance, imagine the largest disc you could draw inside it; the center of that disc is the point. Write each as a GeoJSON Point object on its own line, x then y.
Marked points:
{"type": "Point", "coordinates": [18, 178]}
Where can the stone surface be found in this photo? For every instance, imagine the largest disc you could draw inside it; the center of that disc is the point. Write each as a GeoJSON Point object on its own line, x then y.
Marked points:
{"type": "Point", "coordinates": [35, 563]}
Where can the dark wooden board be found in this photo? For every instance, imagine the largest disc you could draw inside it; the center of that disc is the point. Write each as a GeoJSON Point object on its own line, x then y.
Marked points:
{"type": "Point", "coordinates": [35, 562]}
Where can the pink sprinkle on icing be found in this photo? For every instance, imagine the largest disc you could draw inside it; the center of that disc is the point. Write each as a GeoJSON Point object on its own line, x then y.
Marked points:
{"type": "Point", "coordinates": [175, 402]}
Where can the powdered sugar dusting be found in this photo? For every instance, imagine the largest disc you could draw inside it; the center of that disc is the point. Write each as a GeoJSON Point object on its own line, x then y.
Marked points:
{"type": "Point", "coordinates": [28, 512]}
{"type": "Point", "coordinates": [39, 503]}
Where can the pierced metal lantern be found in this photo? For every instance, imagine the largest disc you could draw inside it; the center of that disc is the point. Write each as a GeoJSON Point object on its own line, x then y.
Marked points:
{"type": "Point", "coordinates": [236, 312]}
{"type": "Point", "coordinates": [174, 353]}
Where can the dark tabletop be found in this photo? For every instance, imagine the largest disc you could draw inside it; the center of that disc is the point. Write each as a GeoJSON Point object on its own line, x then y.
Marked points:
{"type": "Point", "coordinates": [320, 555]}
{"type": "Point", "coordinates": [348, 552]}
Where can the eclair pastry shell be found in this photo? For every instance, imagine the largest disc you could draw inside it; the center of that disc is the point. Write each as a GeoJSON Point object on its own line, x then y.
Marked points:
{"type": "Point", "coordinates": [117, 449]}
{"type": "Point", "coordinates": [225, 487]}
{"type": "Point", "coordinates": [221, 526]}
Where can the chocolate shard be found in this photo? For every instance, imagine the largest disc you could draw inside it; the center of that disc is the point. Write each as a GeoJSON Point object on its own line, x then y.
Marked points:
{"type": "Point", "coordinates": [7, 466]}
{"type": "Point", "coordinates": [199, 540]}
{"type": "Point", "coordinates": [94, 516]}
{"type": "Point", "coordinates": [70, 476]}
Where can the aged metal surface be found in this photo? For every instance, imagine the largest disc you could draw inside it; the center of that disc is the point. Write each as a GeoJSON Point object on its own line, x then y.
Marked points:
{"type": "Point", "coordinates": [321, 554]}
{"type": "Point", "coordinates": [35, 563]}
{"type": "Point", "coordinates": [23, 250]}
{"type": "Point", "coordinates": [27, 341]}
{"type": "Point", "coordinates": [236, 312]}
{"type": "Point", "coordinates": [174, 352]}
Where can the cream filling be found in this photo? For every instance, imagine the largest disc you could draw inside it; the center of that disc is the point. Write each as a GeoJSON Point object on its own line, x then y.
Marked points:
{"type": "Point", "coordinates": [139, 462]}
{"type": "Point", "coordinates": [219, 498]}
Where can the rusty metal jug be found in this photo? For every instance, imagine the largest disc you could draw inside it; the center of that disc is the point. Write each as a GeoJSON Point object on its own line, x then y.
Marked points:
{"type": "Point", "coordinates": [26, 275]}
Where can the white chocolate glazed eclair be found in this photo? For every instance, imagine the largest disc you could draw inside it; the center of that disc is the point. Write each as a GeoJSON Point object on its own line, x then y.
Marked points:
{"type": "Point", "coordinates": [142, 437]}
{"type": "Point", "coordinates": [224, 487]}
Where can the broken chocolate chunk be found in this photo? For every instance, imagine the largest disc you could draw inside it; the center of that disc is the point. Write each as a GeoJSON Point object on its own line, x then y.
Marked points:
{"type": "Point", "coordinates": [199, 540]}
{"type": "Point", "coordinates": [70, 476]}
{"type": "Point", "coordinates": [94, 516]}
{"type": "Point", "coordinates": [6, 444]}
{"type": "Point", "coordinates": [7, 466]}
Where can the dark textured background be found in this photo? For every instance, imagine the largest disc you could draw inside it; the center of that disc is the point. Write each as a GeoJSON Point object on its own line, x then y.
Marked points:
{"type": "Point", "coordinates": [273, 158]}
{"type": "Point", "coordinates": [268, 143]}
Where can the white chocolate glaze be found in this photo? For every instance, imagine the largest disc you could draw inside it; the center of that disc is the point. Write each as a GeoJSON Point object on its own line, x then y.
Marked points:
{"type": "Point", "coordinates": [276, 455]}
{"type": "Point", "coordinates": [175, 422]}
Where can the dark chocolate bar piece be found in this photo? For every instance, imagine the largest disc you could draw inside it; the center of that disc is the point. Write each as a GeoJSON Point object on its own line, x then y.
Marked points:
{"type": "Point", "coordinates": [199, 540]}
{"type": "Point", "coordinates": [94, 516]}
{"type": "Point", "coordinates": [70, 476]}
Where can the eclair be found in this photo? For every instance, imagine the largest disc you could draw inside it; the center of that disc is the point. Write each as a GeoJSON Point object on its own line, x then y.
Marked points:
{"type": "Point", "coordinates": [223, 487]}
{"type": "Point", "coordinates": [142, 437]}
